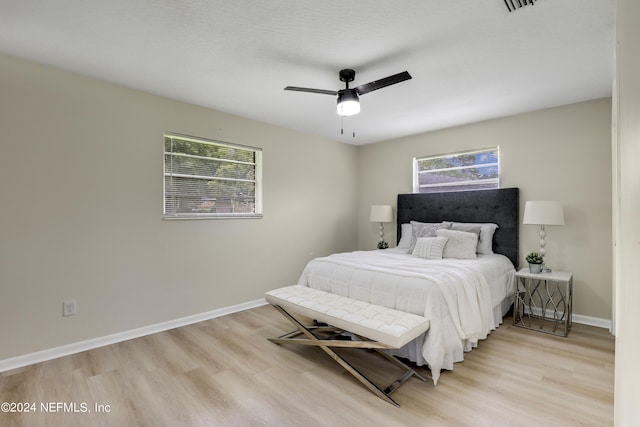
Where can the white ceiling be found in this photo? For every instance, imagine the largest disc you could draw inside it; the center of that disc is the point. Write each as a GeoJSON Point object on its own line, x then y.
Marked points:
{"type": "Point", "coordinates": [470, 60]}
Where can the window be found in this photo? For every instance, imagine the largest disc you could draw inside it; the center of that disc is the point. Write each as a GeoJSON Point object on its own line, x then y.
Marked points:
{"type": "Point", "coordinates": [211, 179]}
{"type": "Point", "coordinates": [470, 170]}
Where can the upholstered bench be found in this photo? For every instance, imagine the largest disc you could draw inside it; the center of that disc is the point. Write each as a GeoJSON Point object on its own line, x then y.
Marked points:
{"type": "Point", "coordinates": [374, 326]}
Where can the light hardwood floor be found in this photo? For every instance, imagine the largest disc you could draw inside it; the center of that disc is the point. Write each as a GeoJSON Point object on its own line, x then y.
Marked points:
{"type": "Point", "coordinates": [224, 372]}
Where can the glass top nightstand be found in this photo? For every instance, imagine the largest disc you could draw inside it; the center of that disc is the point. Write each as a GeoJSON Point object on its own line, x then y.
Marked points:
{"type": "Point", "coordinates": [543, 301]}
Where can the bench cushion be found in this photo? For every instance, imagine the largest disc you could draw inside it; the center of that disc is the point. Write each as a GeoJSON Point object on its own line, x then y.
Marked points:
{"type": "Point", "coordinates": [388, 326]}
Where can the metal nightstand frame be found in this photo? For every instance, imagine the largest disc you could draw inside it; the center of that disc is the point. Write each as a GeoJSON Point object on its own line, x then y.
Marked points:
{"type": "Point", "coordinates": [543, 301]}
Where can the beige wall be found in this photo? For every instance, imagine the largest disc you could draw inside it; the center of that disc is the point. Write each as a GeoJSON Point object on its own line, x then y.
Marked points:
{"type": "Point", "coordinates": [81, 195]}
{"type": "Point", "coordinates": [627, 214]}
{"type": "Point", "coordinates": [81, 211]}
{"type": "Point", "coordinates": [555, 154]}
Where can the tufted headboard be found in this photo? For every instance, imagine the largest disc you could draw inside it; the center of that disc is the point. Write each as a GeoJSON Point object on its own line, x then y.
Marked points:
{"type": "Point", "coordinates": [501, 206]}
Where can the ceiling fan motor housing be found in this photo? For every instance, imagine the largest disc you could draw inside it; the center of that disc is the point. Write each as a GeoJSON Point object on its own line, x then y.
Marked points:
{"type": "Point", "coordinates": [347, 75]}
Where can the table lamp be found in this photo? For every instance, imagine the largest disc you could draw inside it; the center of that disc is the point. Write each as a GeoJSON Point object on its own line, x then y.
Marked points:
{"type": "Point", "coordinates": [543, 213]}
{"type": "Point", "coordinates": [381, 214]}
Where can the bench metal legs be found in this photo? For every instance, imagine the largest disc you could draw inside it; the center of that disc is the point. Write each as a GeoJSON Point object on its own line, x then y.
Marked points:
{"type": "Point", "coordinates": [326, 344]}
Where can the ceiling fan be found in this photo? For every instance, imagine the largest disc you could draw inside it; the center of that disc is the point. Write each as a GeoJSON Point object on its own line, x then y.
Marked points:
{"type": "Point", "coordinates": [349, 98]}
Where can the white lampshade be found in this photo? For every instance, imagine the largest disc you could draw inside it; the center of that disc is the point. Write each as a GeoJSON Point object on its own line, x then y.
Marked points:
{"type": "Point", "coordinates": [381, 213]}
{"type": "Point", "coordinates": [543, 213]}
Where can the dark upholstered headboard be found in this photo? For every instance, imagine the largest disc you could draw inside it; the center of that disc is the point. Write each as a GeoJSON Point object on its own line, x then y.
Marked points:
{"type": "Point", "coordinates": [501, 206]}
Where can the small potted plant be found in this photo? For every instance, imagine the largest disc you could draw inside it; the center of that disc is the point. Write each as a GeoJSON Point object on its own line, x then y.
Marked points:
{"type": "Point", "coordinates": [535, 262]}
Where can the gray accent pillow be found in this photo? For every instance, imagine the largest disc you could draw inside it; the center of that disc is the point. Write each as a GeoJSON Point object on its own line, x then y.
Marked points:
{"type": "Point", "coordinates": [430, 247]}
{"type": "Point", "coordinates": [461, 244]}
{"type": "Point", "coordinates": [484, 231]}
{"type": "Point", "coordinates": [425, 229]}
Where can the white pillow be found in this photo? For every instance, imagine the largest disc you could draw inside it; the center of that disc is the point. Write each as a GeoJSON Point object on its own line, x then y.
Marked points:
{"type": "Point", "coordinates": [425, 229]}
{"type": "Point", "coordinates": [461, 244]}
{"type": "Point", "coordinates": [405, 236]}
{"type": "Point", "coordinates": [486, 238]}
{"type": "Point", "coordinates": [484, 231]}
{"type": "Point", "coordinates": [430, 247]}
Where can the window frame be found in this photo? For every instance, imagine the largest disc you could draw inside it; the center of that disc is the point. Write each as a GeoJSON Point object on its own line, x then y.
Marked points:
{"type": "Point", "coordinates": [442, 187]}
{"type": "Point", "coordinates": [258, 160]}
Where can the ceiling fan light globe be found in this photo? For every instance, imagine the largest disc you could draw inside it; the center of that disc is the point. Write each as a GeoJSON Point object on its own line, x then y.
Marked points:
{"type": "Point", "coordinates": [348, 102]}
{"type": "Point", "coordinates": [348, 108]}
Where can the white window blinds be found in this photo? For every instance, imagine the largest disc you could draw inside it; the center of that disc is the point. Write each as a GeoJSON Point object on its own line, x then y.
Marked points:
{"type": "Point", "coordinates": [211, 179]}
{"type": "Point", "coordinates": [469, 170]}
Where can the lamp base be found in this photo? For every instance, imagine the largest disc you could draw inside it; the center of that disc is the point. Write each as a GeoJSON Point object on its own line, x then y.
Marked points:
{"type": "Point", "coordinates": [383, 245]}
{"type": "Point", "coordinates": [543, 241]}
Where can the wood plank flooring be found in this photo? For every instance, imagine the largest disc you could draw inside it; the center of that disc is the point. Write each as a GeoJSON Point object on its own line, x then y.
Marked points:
{"type": "Point", "coordinates": [224, 372]}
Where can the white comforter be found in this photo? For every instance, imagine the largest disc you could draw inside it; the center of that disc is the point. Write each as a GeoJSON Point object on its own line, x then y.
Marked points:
{"type": "Point", "coordinates": [457, 296]}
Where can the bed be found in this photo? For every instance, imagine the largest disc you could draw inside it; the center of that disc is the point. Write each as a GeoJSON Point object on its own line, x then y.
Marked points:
{"type": "Point", "coordinates": [464, 299]}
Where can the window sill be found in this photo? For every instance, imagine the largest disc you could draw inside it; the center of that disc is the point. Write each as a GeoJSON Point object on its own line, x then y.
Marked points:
{"type": "Point", "coordinates": [212, 216]}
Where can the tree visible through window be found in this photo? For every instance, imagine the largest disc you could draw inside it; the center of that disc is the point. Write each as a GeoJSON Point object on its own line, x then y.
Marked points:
{"type": "Point", "coordinates": [204, 178]}
{"type": "Point", "coordinates": [471, 170]}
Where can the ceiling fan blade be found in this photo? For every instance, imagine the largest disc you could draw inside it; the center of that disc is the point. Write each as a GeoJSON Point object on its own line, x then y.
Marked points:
{"type": "Point", "coordinates": [306, 89]}
{"type": "Point", "coordinates": [379, 84]}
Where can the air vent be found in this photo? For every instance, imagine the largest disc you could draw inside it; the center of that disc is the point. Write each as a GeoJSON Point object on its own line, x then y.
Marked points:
{"type": "Point", "coordinates": [517, 4]}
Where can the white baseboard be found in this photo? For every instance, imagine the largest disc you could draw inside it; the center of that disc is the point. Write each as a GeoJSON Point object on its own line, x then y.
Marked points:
{"type": "Point", "coordinates": [592, 321]}
{"type": "Point", "coordinates": [65, 350]}
{"type": "Point", "coordinates": [578, 318]}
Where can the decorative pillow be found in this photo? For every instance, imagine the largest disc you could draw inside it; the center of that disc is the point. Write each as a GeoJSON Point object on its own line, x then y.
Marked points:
{"type": "Point", "coordinates": [484, 231]}
{"type": "Point", "coordinates": [430, 247]}
{"type": "Point", "coordinates": [461, 244]}
{"type": "Point", "coordinates": [425, 229]}
{"type": "Point", "coordinates": [486, 238]}
{"type": "Point", "coordinates": [406, 230]}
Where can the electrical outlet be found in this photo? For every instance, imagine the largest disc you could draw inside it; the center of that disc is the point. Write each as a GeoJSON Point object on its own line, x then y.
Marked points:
{"type": "Point", "coordinates": [69, 308]}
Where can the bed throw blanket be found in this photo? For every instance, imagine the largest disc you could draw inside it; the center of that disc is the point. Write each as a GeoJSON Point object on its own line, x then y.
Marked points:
{"type": "Point", "coordinates": [452, 294]}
